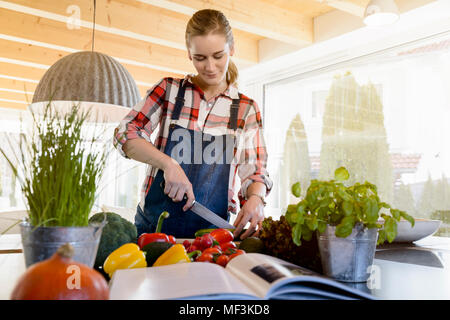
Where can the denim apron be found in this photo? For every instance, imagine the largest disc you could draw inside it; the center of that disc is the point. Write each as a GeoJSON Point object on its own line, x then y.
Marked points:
{"type": "Point", "coordinates": [205, 160]}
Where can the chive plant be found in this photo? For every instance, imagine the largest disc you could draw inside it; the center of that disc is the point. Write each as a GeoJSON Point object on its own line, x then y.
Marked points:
{"type": "Point", "coordinates": [59, 166]}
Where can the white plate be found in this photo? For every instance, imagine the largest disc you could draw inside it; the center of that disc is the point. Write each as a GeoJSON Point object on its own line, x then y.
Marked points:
{"type": "Point", "coordinates": [421, 229]}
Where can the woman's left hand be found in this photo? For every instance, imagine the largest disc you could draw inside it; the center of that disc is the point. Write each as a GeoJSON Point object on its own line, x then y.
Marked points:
{"type": "Point", "coordinates": [252, 211]}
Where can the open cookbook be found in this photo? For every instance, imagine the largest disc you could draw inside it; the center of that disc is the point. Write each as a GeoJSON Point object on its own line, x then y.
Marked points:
{"type": "Point", "coordinates": [248, 276]}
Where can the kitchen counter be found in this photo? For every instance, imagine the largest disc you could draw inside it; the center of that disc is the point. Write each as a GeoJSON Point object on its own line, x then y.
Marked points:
{"type": "Point", "coordinates": [12, 263]}
{"type": "Point", "coordinates": [406, 271]}
{"type": "Point", "coordinates": [419, 270]}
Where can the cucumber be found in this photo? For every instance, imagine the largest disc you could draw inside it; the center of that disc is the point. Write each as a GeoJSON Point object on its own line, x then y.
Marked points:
{"type": "Point", "coordinates": [153, 250]}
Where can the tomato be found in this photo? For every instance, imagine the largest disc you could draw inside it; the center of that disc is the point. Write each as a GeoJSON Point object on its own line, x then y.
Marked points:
{"type": "Point", "coordinates": [197, 242]}
{"type": "Point", "coordinates": [205, 257]}
{"type": "Point", "coordinates": [222, 235]}
{"type": "Point", "coordinates": [191, 248]}
{"type": "Point", "coordinates": [212, 251]}
{"type": "Point", "coordinates": [230, 251]}
{"type": "Point", "coordinates": [228, 245]}
{"type": "Point", "coordinates": [222, 260]}
{"type": "Point", "coordinates": [206, 241]}
{"type": "Point", "coordinates": [237, 253]}
{"type": "Point", "coordinates": [186, 244]}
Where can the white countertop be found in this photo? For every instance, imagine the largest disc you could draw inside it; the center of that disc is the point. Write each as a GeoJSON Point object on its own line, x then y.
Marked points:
{"type": "Point", "coordinates": [408, 271]}
{"type": "Point", "coordinates": [12, 265]}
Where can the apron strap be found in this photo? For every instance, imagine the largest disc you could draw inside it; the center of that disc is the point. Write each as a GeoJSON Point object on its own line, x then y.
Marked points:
{"type": "Point", "coordinates": [179, 101]}
{"type": "Point", "coordinates": [232, 124]}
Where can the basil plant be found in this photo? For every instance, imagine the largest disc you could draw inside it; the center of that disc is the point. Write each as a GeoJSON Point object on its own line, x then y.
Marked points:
{"type": "Point", "coordinates": [333, 203]}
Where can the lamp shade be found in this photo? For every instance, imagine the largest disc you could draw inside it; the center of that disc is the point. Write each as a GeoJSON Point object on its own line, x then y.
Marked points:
{"type": "Point", "coordinates": [381, 12]}
{"type": "Point", "coordinates": [91, 78]}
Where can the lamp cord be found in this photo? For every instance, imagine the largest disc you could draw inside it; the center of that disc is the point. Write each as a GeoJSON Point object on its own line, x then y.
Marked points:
{"type": "Point", "coordinates": [93, 27]}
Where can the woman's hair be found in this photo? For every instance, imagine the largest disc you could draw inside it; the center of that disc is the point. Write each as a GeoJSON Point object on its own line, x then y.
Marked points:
{"type": "Point", "coordinates": [208, 21]}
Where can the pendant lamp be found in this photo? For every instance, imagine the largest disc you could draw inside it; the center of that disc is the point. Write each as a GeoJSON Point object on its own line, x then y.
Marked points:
{"type": "Point", "coordinates": [92, 80]}
{"type": "Point", "coordinates": [381, 12]}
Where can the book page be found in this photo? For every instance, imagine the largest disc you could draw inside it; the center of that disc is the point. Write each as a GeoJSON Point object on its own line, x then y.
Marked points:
{"type": "Point", "coordinates": [271, 277]}
{"type": "Point", "coordinates": [260, 272]}
{"type": "Point", "coordinates": [177, 281]}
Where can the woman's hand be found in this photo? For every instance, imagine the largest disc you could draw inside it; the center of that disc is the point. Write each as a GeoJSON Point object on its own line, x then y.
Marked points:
{"type": "Point", "coordinates": [177, 184]}
{"type": "Point", "coordinates": [252, 211]}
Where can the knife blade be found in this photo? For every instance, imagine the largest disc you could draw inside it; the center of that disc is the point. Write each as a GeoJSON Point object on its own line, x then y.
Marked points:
{"type": "Point", "coordinates": [210, 216]}
{"type": "Point", "coordinates": [206, 214]}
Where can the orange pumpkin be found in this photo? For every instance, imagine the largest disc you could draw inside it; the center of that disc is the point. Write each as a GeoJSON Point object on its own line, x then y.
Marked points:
{"type": "Point", "coordinates": [61, 278]}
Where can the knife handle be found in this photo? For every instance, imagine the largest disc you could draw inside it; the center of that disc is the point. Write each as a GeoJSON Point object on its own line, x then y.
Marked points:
{"type": "Point", "coordinates": [163, 185]}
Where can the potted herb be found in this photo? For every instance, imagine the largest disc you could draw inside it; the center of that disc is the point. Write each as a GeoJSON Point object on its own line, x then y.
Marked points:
{"type": "Point", "coordinates": [59, 165]}
{"type": "Point", "coordinates": [349, 221]}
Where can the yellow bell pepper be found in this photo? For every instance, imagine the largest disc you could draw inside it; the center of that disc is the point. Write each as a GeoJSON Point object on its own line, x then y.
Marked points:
{"type": "Point", "coordinates": [128, 256]}
{"type": "Point", "coordinates": [175, 254]}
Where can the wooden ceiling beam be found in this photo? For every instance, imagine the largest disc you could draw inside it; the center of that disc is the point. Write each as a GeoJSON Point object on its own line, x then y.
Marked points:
{"type": "Point", "coordinates": [16, 96]}
{"type": "Point", "coordinates": [12, 105]}
{"type": "Point", "coordinates": [16, 93]}
{"type": "Point", "coordinates": [53, 34]}
{"type": "Point", "coordinates": [46, 56]}
{"type": "Point", "coordinates": [129, 20]}
{"type": "Point", "coordinates": [20, 71]}
{"type": "Point", "coordinates": [346, 6]}
{"type": "Point", "coordinates": [18, 85]}
{"type": "Point", "coordinates": [254, 16]}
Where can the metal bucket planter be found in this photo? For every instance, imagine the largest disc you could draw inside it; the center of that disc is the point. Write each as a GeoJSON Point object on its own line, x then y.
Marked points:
{"type": "Point", "coordinates": [42, 242]}
{"type": "Point", "coordinates": [347, 259]}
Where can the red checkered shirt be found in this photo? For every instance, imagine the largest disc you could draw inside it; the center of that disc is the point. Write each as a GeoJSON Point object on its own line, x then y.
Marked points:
{"type": "Point", "coordinates": [211, 117]}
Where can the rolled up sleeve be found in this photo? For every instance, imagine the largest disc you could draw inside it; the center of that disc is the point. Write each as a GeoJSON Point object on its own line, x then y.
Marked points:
{"type": "Point", "coordinates": [143, 118]}
{"type": "Point", "coordinates": [253, 154]}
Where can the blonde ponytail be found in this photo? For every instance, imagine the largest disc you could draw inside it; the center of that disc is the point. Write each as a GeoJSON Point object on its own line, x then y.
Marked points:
{"type": "Point", "coordinates": [232, 73]}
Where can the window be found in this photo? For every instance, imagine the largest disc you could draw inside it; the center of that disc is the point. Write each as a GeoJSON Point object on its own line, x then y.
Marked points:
{"type": "Point", "coordinates": [384, 117]}
{"type": "Point", "coordinates": [10, 130]}
{"type": "Point", "coordinates": [120, 186]}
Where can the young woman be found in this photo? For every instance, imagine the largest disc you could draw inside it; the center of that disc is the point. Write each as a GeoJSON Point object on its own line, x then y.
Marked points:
{"type": "Point", "coordinates": [208, 133]}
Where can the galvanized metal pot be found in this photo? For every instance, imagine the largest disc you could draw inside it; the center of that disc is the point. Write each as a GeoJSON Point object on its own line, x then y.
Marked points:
{"type": "Point", "coordinates": [347, 259]}
{"type": "Point", "coordinates": [42, 242]}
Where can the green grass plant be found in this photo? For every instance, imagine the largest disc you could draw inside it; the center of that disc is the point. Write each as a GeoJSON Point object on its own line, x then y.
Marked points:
{"type": "Point", "coordinates": [59, 166]}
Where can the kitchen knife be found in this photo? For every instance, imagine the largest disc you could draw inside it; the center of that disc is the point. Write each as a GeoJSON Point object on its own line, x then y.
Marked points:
{"type": "Point", "coordinates": [207, 214]}
{"type": "Point", "coordinates": [210, 216]}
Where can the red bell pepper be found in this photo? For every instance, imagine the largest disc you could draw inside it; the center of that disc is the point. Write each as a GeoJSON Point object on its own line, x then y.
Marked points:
{"type": "Point", "coordinates": [157, 236]}
{"type": "Point", "coordinates": [172, 240]}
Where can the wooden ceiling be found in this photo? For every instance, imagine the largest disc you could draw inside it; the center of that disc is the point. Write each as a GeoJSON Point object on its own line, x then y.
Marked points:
{"type": "Point", "coordinates": [146, 36]}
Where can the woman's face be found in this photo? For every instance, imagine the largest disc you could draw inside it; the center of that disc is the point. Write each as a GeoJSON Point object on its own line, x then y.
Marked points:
{"type": "Point", "coordinates": [210, 55]}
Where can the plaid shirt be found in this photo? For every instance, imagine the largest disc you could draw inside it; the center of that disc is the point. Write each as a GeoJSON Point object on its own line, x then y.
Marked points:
{"type": "Point", "coordinates": [250, 156]}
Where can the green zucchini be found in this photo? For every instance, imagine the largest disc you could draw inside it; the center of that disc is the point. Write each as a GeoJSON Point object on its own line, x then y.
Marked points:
{"type": "Point", "coordinates": [201, 232]}
{"type": "Point", "coordinates": [252, 244]}
{"type": "Point", "coordinates": [154, 249]}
